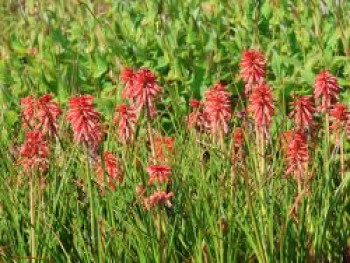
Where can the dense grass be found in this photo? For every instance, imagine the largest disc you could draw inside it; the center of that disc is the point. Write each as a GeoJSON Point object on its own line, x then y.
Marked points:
{"type": "Point", "coordinates": [77, 47]}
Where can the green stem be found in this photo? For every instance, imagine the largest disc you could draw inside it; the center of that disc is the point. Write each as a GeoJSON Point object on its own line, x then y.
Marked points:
{"type": "Point", "coordinates": [32, 217]}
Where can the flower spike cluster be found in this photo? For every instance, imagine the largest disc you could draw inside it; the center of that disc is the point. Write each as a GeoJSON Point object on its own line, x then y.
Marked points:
{"type": "Point", "coordinates": [252, 69]}
{"type": "Point", "coordinates": [217, 108]}
{"type": "Point", "coordinates": [297, 154]}
{"type": "Point", "coordinates": [34, 152]}
{"type": "Point", "coordinates": [126, 121]}
{"type": "Point", "coordinates": [338, 115]}
{"type": "Point", "coordinates": [326, 90]}
{"type": "Point", "coordinates": [85, 121]}
{"type": "Point", "coordinates": [41, 114]}
{"type": "Point", "coordinates": [302, 113]}
{"type": "Point", "coordinates": [140, 89]}
{"type": "Point", "coordinates": [261, 107]}
{"type": "Point", "coordinates": [113, 173]}
{"type": "Point", "coordinates": [196, 119]}
{"type": "Point", "coordinates": [158, 175]}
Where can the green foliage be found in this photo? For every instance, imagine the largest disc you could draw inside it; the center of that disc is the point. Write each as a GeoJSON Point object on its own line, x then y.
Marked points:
{"type": "Point", "coordinates": [69, 47]}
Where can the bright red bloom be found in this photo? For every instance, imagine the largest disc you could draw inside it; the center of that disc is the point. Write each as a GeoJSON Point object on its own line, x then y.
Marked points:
{"type": "Point", "coordinates": [112, 170]}
{"type": "Point", "coordinates": [339, 116]}
{"type": "Point", "coordinates": [159, 198]}
{"type": "Point", "coordinates": [195, 103]}
{"type": "Point", "coordinates": [28, 110]}
{"type": "Point", "coordinates": [164, 147]}
{"type": "Point", "coordinates": [252, 68]}
{"type": "Point", "coordinates": [85, 121]}
{"type": "Point", "coordinates": [297, 154]}
{"type": "Point", "coordinates": [126, 120]}
{"type": "Point", "coordinates": [326, 89]}
{"type": "Point", "coordinates": [127, 76]}
{"type": "Point", "coordinates": [141, 89]}
{"type": "Point", "coordinates": [238, 137]}
{"type": "Point", "coordinates": [159, 173]}
{"type": "Point", "coordinates": [48, 112]}
{"type": "Point", "coordinates": [197, 119]}
{"type": "Point", "coordinates": [286, 137]}
{"type": "Point", "coordinates": [261, 107]}
{"type": "Point", "coordinates": [41, 114]}
{"type": "Point", "coordinates": [217, 107]}
{"type": "Point", "coordinates": [34, 152]}
{"type": "Point", "coordinates": [302, 113]}
{"type": "Point", "coordinates": [237, 147]}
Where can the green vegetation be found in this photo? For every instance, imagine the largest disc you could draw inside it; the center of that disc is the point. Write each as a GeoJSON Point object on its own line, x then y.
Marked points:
{"type": "Point", "coordinates": [66, 48]}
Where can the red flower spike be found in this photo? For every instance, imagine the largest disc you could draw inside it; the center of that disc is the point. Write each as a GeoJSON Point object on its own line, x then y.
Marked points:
{"type": "Point", "coordinates": [217, 109]}
{"type": "Point", "coordinates": [159, 198]}
{"type": "Point", "coordinates": [297, 154]}
{"type": "Point", "coordinates": [338, 115]}
{"type": "Point", "coordinates": [302, 113]}
{"type": "Point", "coordinates": [141, 89]}
{"type": "Point", "coordinates": [326, 90]}
{"type": "Point", "coordinates": [238, 137]}
{"type": "Point", "coordinates": [111, 166]}
{"type": "Point", "coordinates": [28, 112]}
{"type": "Point", "coordinates": [48, 113]}
{"type": "Point", "coordinates": [85, 121]}
{"type": "Point", "coordinates": [237, 147]}
{"type": "Point", "coordinates": [41, 114]}
{"type": "Point", "coordinates": [164, 147]}
{"type": "Point", "coordinates": [127, 76]}
{"type": "Point", "coordinates": [34, 152]}
{"type": "Point", "coordinates": [348, 125]}
{"type": "Point", "coordinates": [195, 103]}
{"type": "Point", "coordinates": [126, 121]}
{"type": "Point", "coordinates": [261, 107]}
{"type": "Point", "coordinates": [159, 173]}
{"type": "Point", "coordinates": [252, 68]}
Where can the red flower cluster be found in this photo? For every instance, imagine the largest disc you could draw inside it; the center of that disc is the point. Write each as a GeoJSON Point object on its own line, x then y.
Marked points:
{"type": "Point", "coordinates": [41, 114]}
{"type": "Point", "coordinates": [297, 154]}
{"type": "Point", "coordinates": [34, 152]}
{"type": "Point", "coordinates": [338, 115]}
{"type": "Point", "coordinates": [261, 107]}
{"type": "Point", "coordinates": [140, 88]}
{"type": "Point", "coordinates": [159, 173]}
{"type": "Point", "coordinates": [196, 119]}
{"type": "Point", "coordinates": [126, 121]}
{"type": "Point", "coordinates": [237, 145]}
{"type": "Point", "coordinates": [159, 198]}
{"type": "Point", "coordinates": [302, 113]}
{"type": "Point", "coordinates": [252, 69]}
{"type": "Point", "coordinates": [85, 121]}
{"type": "Point", "coordinates": [111, 167]}
{"type": "Point", "coordinates": [217, 109]}
{"type": "Point", "coordinates": [326, 90]}
{"type": "Point", "coordinates": [164, 147]}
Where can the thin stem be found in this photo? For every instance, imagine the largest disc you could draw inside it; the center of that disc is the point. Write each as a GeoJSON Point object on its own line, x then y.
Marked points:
{"type": "Point", "coordinates": [32, 216]}
{"type": "Point", "coordinates": [327, 129]}
{"type": "Point", "coordinates": [342, 166]}
{"type": "Point", "coordinates": [92, 217]}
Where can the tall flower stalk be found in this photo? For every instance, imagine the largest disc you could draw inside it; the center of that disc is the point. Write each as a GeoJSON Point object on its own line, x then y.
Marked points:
{"type": "Point", "coordinates": [34, 155]}
{"type": "Point", "coordinates": [217, 108]}
{"type": "Point", "coordinates": [326, 92]}
{"type": "Point", "coordinates": [252, 69]}
{"type": "Point", "coordinates": [261, 108]}
{"type": "Point", "coordinates": [87, 130]}
{"type": "Point", "coordinates": [141, 90]}
{"type": "Point", "coordinates": [338, 117]}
